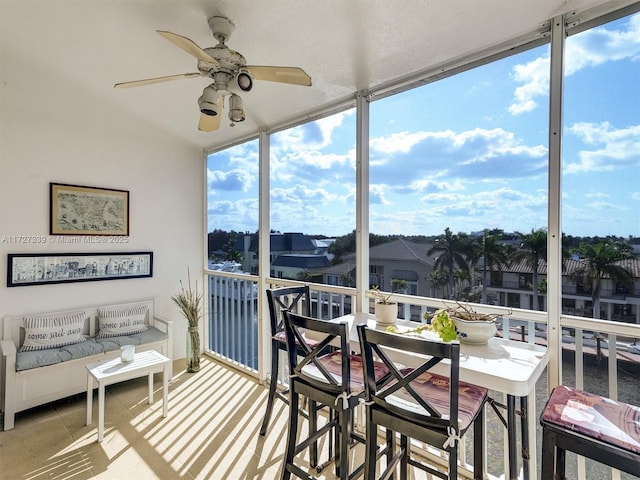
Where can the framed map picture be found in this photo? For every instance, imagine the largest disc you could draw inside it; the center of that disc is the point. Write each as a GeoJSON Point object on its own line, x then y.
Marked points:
{"type": "Point", "coordinates": [78, 210]}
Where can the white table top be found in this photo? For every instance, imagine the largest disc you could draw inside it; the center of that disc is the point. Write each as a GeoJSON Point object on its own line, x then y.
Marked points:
{"type": "Point", "coordinates": [142, 360]}
{"type": "Point", "coordinates": [507, 366]}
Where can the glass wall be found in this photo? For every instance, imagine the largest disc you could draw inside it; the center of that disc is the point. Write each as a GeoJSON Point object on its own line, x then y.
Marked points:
{"type": "Point", "coordinates": [312, 189]}
{"type": "Point", "coordinates": [232, 205]}
{"type": "Point", "coordinates": [232, 234]}
{"type": "Point", "coordinates": [459, 173]}
{"type": "Point", "coordinates": [601, 209]}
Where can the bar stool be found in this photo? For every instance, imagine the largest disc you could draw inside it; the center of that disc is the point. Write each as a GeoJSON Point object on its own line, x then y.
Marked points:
{"type": "Point", "coordinates": [419, 404]}
{"type": "Point", "coordinates": [592, 426]}
{"type": "Point", "coordinates": [296, 299]}
{"type": "Point", "coordinates": [334, 379]}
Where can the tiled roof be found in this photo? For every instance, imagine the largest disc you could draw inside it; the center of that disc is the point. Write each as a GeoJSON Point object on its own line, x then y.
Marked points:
{"type": "Point", "coordinates": [570, 266]}
{"type": "Point", "coordinates": [398, 250]}
{"type": "Point", "coordinates": [301, 261]}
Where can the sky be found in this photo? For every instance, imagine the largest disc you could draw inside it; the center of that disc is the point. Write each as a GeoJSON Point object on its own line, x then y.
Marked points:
{"type": "Point", "coordinates": [468, 152]}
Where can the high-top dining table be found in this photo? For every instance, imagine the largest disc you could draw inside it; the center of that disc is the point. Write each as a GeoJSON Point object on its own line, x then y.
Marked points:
{"type": "Point", "coordinates": [507, 366]}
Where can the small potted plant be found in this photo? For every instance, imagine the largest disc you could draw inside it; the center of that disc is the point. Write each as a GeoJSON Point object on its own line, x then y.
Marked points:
{"type": "Point", "coordinates": [189, 301]}
{"type": "Point", "coordinates": [386, 310]}
{"type": "Point", "coordinates": [472, 327]}
{"type": "Point", "coordinates": [460, 322]}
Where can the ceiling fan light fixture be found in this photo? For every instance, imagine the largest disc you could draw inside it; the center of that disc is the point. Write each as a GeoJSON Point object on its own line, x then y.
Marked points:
{"type": "Point", "coordinates": [244, 81]}
{"type": "Point", "coordinates": [208, 102]}
{"type": "Point", "coordinates": [236, 112]}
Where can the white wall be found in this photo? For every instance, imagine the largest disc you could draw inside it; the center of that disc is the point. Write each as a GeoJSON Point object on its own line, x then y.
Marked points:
{"type": "Point", "coordinates": [59, 135]}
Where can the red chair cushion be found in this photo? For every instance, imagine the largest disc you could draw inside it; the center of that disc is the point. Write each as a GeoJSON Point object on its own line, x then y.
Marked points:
{"type": "Point", "coordinates": [333, 363]}
{"type": "Point", "coordinates": [598, 417]}
{"type": "Point", "coordinates": [434, 389]}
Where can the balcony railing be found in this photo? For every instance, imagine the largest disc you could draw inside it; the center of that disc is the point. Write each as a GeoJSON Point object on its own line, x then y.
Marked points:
{"type": "Point", "coordinates": [599, 356]}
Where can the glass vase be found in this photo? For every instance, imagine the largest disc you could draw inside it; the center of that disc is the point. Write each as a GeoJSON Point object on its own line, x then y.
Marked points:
{"type": "Point", "coordinates": [193, 349]}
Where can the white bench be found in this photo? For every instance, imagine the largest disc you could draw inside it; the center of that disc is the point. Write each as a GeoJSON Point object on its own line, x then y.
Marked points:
{"type": "Point", "coordinates": [31, 387]}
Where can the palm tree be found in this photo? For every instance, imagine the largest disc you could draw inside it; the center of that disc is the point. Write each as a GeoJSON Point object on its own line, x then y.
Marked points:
{"type": "Point", "coordinates": [493, 253]}
{"type": "Point", "coordinates": [603, 260]}
{"type": "Point", "coordinates": [533, 249]}
{"type": "Point", "coordinates": [438, 280]}
{"type": "Point", "coordinates": [459, 277]}
{"type": "Point", "coordinates": [455, 250]}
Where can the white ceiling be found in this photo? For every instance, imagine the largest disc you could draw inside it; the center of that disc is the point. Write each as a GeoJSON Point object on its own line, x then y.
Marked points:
{"type": "Point", "coordinates": [344, 45]}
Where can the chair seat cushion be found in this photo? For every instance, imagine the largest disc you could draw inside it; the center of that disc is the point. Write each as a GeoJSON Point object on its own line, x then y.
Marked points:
{"type": "Point", "coordinates": [282, 337]}
{"type": "Point", "coordinates": [598, 417]}
{"type": "Point", "coordinates": [434, 389]}
{"type": "Point", "coordinates": [333, 363]}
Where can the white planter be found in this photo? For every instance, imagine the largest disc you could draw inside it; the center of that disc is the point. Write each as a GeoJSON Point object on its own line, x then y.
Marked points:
{"type": "Point", "coordinates": [476, 332]}
{"type": "Point", "coordinates": [386, 313]}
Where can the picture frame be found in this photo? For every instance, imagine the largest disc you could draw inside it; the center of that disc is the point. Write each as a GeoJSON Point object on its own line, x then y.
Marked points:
{"type": "Point", "coordinates": [25, 269]}
{"type": "Point", "coordinates": [81, 210]}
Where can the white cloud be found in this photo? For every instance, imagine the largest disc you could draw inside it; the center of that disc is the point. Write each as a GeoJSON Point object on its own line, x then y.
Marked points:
{"type": "Point", "coordinates": [618, 147]}
{"type": "Point", "coordinates": [472, 154]}
{"type": "Point", "coordinates": [300, 194]}
{"type": "Point", "coordinates": [597, 195]}
{"type": "Point", "coordinates": [402, 141]}
{"type": "Point", "coordinates": [233, 180]}
{"type": "Point", "coordinates": [588, 49]}
{"type": "Point", "coordinates": [535, 79]}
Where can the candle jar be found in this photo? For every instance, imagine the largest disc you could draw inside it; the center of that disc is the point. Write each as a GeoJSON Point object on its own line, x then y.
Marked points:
{"type": "Point", "coordinates": [126, 353]}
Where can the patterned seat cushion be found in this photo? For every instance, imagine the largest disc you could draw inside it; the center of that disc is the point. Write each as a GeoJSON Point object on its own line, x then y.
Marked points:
{"type": "Point", "coordinates": [281, 336]}
{"type": "Point", "coordinates": [604, 419]}
{"type": "Point", "coordinates": [434, 389]}
{"type": "Point", "coordinates": [333, 363]}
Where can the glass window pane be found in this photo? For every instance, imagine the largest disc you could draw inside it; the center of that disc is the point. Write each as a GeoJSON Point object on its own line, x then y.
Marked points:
{"type": "Point", "coordinates": [601, 201]}
{"type": "Point", "coordinates": [232, 208]}
{"type": "Point", "coordinates": [459, 170]}
{"type": "Point", "coordinates": [312, 199]}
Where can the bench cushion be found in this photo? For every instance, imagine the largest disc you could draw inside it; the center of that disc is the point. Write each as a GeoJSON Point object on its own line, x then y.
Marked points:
{"type": "Point", "coordinates": [51, 356]}
{"type": "Point", "coordinates": [115, 322]}
{"type": "Point", "coordinates": [150, 335]}
{"type": "Point", "coordinates": [45, 332]}
{"type": "Point", "coordinates": [91, 346]}
{"type": "Point", "coordinates": [598, 417]}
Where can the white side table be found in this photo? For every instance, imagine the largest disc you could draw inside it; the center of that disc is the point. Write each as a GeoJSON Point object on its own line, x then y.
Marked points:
{"type": "Point", "coordinates": [114, 371]}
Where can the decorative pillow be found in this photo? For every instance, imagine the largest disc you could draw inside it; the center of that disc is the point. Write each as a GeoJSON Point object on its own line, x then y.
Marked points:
{"type": "Point", "coordinates": [49, 332]}
{"type": "Point", "coordinates": [121, 321]}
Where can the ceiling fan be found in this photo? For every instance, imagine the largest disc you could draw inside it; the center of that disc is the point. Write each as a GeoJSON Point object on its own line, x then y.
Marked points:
{"type": "Point", "coordinates": [229, 71]}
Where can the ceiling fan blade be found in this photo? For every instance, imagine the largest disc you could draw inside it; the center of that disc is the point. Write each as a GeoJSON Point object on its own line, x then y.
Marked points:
{"type": "Point", "coordinates": [189, 46]}
{"type": "Point", "coordinates": [149, 81]}
{"type": "Point", "coordinates": [208, 123]}
{"type": "Point", "coordinates": [293, 75]}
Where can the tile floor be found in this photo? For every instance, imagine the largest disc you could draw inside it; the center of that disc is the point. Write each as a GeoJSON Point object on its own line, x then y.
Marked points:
{"type": "Point", "coordinates": [211, 433]}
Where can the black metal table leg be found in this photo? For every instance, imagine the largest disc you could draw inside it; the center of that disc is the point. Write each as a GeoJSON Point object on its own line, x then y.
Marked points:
{"type": "Point", "coordinates": [511, 437]}
{"type": "Point", "coordinates": [524, 424]}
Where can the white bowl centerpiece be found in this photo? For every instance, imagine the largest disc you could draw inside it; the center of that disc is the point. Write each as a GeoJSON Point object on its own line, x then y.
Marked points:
{"type": "Point", "coordinates": [472, 327]}
{"type": "Point", "coordinates": [464, 323]}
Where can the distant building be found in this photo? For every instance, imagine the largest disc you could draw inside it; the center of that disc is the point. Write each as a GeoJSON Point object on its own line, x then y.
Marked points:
{"type": "Point", "coordinates": [298, 267]}
{"type": "Point", "coordinates": [296, 244]}
{"type": "Point", "coordinates": [400, 260]}
{"type": "Point", "coordinates": [512, 286]}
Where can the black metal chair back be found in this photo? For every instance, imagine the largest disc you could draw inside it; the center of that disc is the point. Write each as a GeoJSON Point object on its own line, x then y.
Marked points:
{"type": "Point", "coordinates": [305, 357]}
{"type": "Point", "coordinates": [326, 373]}
{"type": "Point", "coordinates": [419, 403]}
{"type": "Point", "coordinates": [296, 299]}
